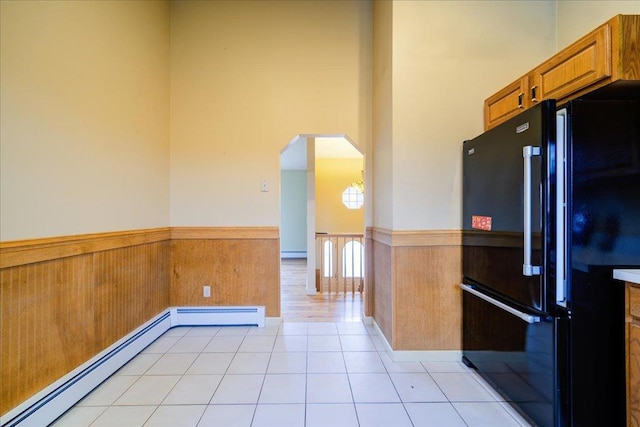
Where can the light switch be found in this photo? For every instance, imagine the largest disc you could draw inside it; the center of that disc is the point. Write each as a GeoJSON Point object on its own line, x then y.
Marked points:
{"type": "Point", "coordinates": [264, 185]}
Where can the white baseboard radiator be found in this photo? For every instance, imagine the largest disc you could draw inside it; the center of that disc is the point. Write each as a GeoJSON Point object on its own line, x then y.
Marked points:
{"type": "Point", "coordinates": [218, 316]}
{"type": "Point", "coordinates": [47, 405]}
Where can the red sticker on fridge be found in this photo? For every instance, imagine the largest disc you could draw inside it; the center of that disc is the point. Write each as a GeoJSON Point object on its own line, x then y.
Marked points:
{"type": "Point", "coordinates": [481, 222]}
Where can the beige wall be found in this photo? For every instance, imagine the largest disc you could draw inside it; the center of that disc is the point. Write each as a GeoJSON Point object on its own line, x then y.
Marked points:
{"type": "Point", "coordinates": [577, 18]}
{"type": "Point", "coordinates": [333, 176]}
{"type": "Point", "coordinates": [246, 78]}
{"type": "Point", "coordinates": [382, 182]}
{"type": "Point", "coordinates": [85, 103]}
{"type": "Point", "coordinates": [447, 58]}
{"type": "Point", "coordinates": [84, 107]}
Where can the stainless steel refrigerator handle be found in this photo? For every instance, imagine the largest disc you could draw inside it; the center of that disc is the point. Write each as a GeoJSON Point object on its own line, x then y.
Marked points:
{"type": "Point", "coordinates": [524, 316]}
{"type": "Point", "coordinates": [528, 269]}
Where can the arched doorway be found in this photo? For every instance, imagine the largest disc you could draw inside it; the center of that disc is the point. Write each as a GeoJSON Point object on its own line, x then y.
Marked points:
{"type": "Point", "coordinates": [319, 169]}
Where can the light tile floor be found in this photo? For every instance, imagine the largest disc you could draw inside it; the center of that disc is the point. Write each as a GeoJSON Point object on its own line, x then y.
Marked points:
{"type": "Point", "coordinates": [288, 375]}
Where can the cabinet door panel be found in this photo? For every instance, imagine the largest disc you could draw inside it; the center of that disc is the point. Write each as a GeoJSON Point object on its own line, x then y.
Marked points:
{"type": "Point", "coordinates": [507, 103]}
{"type": "Point", "coordinates": [634, 301]}
{"type": "Point", "coordinates": [582, 64]}
{"type": "Point", "coordinates": [633, 385]}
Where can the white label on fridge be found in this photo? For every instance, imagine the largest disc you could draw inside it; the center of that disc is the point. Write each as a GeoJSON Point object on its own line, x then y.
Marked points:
{"type": "Point", "coordinates": [522, 127]}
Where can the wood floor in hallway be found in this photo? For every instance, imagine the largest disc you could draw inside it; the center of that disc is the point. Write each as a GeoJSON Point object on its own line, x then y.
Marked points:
{"type": "Point", "coordinates": [297, 306]}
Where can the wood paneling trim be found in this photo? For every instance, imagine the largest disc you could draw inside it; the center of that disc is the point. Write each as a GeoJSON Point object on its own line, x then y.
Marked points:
{"type": "Point", "coordinates": [22, 252]}
{"type": "Point", "coordinates": [225, 233]}
{"type": "Point", "coordinates": [380, 235]}
{"type": "Point", "coordinates": [416, 237]}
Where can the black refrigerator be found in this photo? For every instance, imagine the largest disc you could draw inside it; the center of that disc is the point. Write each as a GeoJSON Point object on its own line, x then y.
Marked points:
{"type": "Point", "coordinates": [551, 205]}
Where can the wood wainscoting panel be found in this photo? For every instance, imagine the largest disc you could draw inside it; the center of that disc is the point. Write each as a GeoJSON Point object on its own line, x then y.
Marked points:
{"type": "Point", "coordinates": [240, 271]}
{"type": "Point", "coordinates": [57, 314]}
{"type": "Point", "coordinates": [46, 318]}
{"type": "Point", "coordinates": [131, 286]}
{"type": "Point", "coordinates": [428, 301]}
{"type": "Point", "coordinates": [369, 277]}
{"type": "Point", "coordinates": [382, 284]}
{"type": "Point", "coordinates": [415, 277]}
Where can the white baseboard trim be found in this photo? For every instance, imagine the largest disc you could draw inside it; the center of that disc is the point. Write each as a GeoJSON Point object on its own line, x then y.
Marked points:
{"type": "Point", "coordinates": [293, 254]}
{"type": "Point", "coordinates": [47, 405]}
{"type": "Point", "coordinates": [418, 355]}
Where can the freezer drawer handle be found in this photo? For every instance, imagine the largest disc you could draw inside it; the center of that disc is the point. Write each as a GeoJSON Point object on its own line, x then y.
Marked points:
{"type": "Point", "coordinates": [524, 316]}
{"type": "Point", "coordinates": [527, 269]}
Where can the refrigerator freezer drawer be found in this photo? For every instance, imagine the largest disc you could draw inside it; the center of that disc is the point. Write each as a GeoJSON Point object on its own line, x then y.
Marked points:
{"type": "Point", "coordinates": [524, 316]}
{"type": "Point", "coordinates": [516, 357]}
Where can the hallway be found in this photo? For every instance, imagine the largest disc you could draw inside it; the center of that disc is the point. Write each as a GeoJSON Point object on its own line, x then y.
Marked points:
{"type": "Point", "coordinates": [297, 306]}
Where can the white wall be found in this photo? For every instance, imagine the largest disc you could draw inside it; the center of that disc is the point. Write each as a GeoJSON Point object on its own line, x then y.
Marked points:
{"type": "Point", "coordinates": [448, 56]}
{"type": "Point", "coordinates": [246, 78]}
{"type": "Point", "coordinates": [293, 194]}
{"type": "Point", "coordinates": [84, 96]}
{"type": "Point", "coordinates": [577, 18]}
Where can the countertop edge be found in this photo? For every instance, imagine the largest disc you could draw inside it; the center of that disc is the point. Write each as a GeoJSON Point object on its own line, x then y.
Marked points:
{"type": "Point", "coordinates": [627, 275]}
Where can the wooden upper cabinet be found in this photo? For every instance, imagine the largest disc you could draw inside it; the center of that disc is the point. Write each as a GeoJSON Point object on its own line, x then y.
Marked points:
{"type": "Point", "coordinates": [608, 54]}
{"type": "Point", "coordinates": [507, 103]}
{"type": "Point", "coordinates": [580, 65]}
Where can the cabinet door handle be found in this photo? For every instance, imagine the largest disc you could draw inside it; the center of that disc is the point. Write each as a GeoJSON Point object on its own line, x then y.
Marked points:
{"type": "Point", "coordinates": [520, 95]}
{"type": "Point", "coordinates": [534, 89]}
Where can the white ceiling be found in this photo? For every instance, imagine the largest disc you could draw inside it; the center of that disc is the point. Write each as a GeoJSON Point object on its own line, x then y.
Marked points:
{"type": "Point", "coordinates": [295, 156]}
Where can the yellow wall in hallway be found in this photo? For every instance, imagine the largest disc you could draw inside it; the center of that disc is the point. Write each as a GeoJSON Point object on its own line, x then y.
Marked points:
{"type": "Point", "coordinates": [333, 176]}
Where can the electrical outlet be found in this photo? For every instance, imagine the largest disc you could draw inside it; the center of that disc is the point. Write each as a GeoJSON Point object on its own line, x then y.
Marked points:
{"type": "Point", "coordinates": [206, 291]}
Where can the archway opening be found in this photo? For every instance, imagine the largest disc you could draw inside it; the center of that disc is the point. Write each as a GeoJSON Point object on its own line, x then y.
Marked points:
{"type": "Point", "coordinates": [316, 173]}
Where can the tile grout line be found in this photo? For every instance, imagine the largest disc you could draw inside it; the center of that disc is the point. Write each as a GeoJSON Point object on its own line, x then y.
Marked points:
{"type": "Point", "coordinates": [221, 378]}
{"type": "Point", "coordinates": [353, 398]}
{"type": "Point", "coordinates": [287, 370]}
